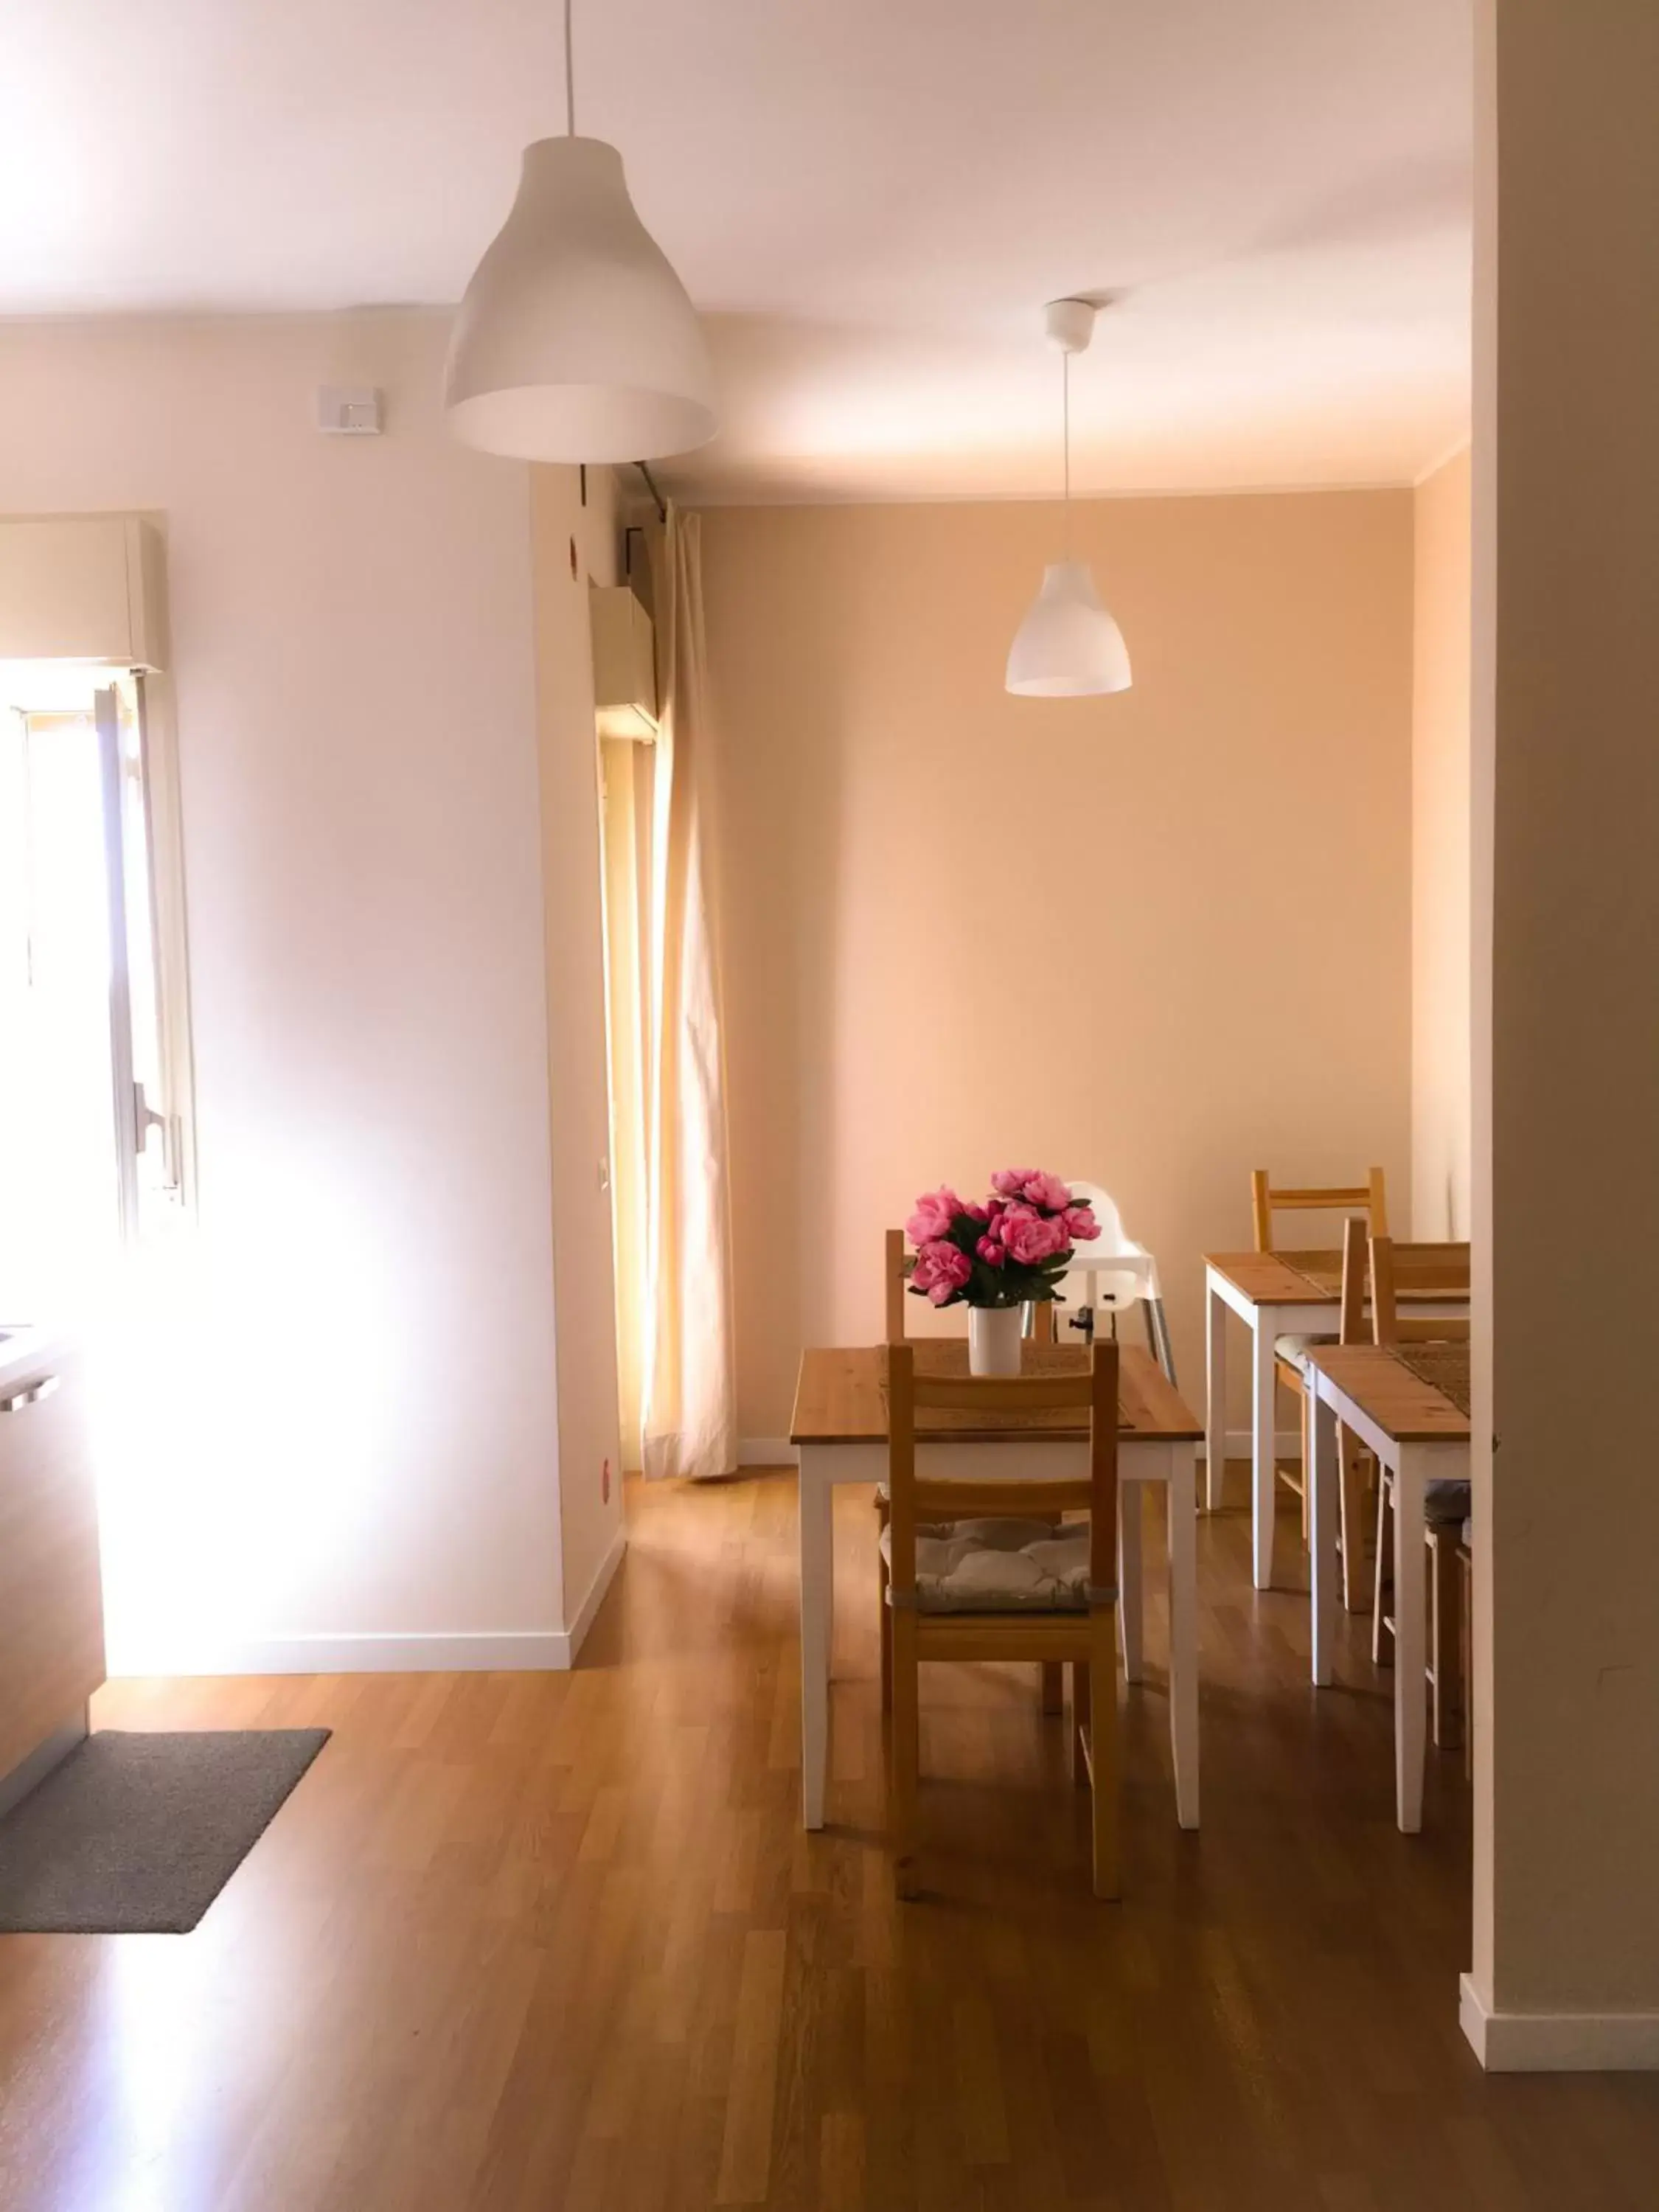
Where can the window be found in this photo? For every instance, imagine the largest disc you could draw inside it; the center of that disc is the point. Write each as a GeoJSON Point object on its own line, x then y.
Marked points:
{"type": "Point", "coordinates": [96, 1150]}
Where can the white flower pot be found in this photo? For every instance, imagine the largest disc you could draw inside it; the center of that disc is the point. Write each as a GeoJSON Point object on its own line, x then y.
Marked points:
{"type": "Point", "coordinates": [994, 1340]}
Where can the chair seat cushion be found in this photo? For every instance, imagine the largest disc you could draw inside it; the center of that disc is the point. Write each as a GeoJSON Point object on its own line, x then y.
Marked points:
{"type": "Point", "coordinates": [1001, 1566]}
{"type": "Point", "coordinates": [1445, 1501]}
{"type": "Point", "coordinates": [1293, 1349]}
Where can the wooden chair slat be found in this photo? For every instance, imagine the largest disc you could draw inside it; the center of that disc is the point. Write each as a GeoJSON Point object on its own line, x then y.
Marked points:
{"type": "Point", "coordinates": [983, 1499]}
{"type": "Point", "coordinates": [1001, 1394]}
{"type": "Point", "coordinates": [1266, 1200]}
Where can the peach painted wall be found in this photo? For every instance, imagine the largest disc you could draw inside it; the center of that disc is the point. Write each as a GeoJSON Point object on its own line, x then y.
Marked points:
{"type": "Point", "coordinates": [1156, 939]}
{"type": "Point", "coordinates": [350, 1435]}
{"type": "Point", "coordinates": [1440, 854]}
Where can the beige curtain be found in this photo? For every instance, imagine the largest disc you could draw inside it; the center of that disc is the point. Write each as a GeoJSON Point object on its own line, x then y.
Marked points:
{"type": "Point", "coordinates": [628, 775]}
{"type": "Point", "coordinates": [685, 1361]}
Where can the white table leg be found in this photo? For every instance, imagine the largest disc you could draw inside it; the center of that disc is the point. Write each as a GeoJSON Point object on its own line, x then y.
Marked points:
{"type": "Point", "coordinates": [1263, 1479]}
{"type": "Point", "coordinates": [817, 1573]}
{"type": "Point", "coordinates": [1215, 1380]}
{"type": "Point", "coordinates": [1321, 1536]}
{"type": "Point", "coordinates": [1410, 1699]}
{"type": "Point", "coordinates": [1130, 1517]}
{"type": "Point", "coordinates": [1181, 1494]}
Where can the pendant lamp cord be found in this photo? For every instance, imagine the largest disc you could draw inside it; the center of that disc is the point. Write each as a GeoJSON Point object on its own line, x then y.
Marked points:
{"type": "Point", "coordinates": [570, 77]}
{"type": "Point", "coordinates": [1066, 450]}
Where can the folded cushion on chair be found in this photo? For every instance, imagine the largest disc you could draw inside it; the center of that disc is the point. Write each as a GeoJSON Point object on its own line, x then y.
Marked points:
{"type": "Point", "coordinates": [1293, 1349]}
{"type": "Point", "coordinates": [1445, 1500]}
{"type": "Point", "coordinates": [1001, 1566]}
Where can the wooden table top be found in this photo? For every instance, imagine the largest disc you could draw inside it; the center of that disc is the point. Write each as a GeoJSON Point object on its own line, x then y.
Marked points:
{"type": "Point", "coordinates": [841, 1398]}
{"type": "Point", "coordinates": [1315, 1279]}
{"type": "Point", "coordinates": [1385, 1388]}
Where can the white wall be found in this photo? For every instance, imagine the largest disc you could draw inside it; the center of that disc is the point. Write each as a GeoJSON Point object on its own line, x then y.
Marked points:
{"type": "Point", "coordinates": [590, 1450]}
{"type": "Point", "coordinates": [361, 1441]}
{"type": "Point", "coordinates": [1564, 798]}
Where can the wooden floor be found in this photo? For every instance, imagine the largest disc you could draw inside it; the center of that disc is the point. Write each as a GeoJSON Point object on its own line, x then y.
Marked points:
{"type": "Point", "coordinates": [525, 1943]}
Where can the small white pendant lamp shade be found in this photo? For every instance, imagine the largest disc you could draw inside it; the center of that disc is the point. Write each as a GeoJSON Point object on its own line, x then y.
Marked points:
{"type": "Point", "coordinates": [1068, 647]}
{"type": "Point", "coordinates": [575, 341]}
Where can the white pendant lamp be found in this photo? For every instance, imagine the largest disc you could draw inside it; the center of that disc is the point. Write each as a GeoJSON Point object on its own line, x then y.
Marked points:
{"type": "Point", "coordinates": [575, 341]}
{"type": "Point", "coordinates": [1068, 647]}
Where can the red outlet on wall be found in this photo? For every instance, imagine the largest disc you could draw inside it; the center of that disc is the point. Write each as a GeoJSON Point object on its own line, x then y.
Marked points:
{"type": "Point", "coordinates": [605, 1482]}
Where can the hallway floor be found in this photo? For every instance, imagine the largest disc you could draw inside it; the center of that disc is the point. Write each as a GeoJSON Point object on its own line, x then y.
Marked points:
{"type": "Point", "coordinates": [520, 1943]}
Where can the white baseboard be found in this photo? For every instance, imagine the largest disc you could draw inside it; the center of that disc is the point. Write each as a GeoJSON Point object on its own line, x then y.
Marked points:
{"type": "Point", "coordinates": [1557, 2042]}
{"type": "Point", "coordinates": [767, 1451]}
{"type": "Point", "coordinates": [490, 1652]}
{"type": "Point", "coordinates": [505, 1651]}
{"type": "Point", "coordinates": [1287, 1444]}
{"type": "Point", "coordinates": [605, 1574]}
{"type": "Point", "coordinates": [778, 1451]}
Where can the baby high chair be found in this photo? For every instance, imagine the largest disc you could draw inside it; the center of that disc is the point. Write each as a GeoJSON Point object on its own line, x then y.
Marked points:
{"type": "Point", "coordinates": [1111, 1272]}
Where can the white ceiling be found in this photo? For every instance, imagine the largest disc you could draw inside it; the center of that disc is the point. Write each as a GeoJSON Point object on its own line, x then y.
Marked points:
{"type": "Point", "coordinates": [870, 198]}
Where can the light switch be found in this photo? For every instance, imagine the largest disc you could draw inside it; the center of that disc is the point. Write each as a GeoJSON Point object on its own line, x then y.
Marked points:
{"type": "Point", "coordinates": [349, 410]}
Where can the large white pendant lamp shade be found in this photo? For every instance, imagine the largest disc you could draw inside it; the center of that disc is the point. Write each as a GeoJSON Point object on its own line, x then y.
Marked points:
{"type": "Point", "coordinates": [575, 341]}
{"type": "Point", "coordinates": [1068, 647]}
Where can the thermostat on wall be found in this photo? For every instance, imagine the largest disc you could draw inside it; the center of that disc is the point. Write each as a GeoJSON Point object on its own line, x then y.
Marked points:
{"type": "Point", "coordinates": [350, 410]}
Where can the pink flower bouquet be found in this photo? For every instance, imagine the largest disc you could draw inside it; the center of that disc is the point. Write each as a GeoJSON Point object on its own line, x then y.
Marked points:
{"type": "Point", "coordinates": [1010, 1251]}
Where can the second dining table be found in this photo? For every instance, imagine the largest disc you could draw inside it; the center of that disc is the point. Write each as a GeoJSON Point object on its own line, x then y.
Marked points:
{"type": "Point", "coordinates": [840, 1429]}
{"type": "Point", "coordinates": [1420, 1431]}
{"type": "Point", "coordinates": [1274, 1294]}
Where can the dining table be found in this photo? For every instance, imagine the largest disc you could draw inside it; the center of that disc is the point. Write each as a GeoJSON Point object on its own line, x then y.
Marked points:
{"type": "Point", "coordinates": [839, 1429]}
{"type": "Point", "coordinates": [1274, 1294]}
{"type": "Point", "coordinates": [1409, 1405]}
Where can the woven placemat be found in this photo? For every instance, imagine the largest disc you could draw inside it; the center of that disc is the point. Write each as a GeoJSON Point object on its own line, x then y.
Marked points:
{"type": "Point", "coordinates": [1444, 1367]}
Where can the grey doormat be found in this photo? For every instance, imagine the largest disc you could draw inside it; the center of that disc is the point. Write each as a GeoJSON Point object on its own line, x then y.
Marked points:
{"type": "Point", "coordinates": [137, 1834]}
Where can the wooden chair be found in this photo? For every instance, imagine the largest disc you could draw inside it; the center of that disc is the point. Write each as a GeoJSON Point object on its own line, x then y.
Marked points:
{"type": "Point", "coordinates": [1466, 1647]}
{"type": "Point", "coordinates": [896, 1277]}
{"type": "Point", "coordinates": [1355, 1466]}
{"type": "Point", "coordinates": [1265, 1202]}
{"type": "Point", "coordinates": [1424, 1269]}
{"type": "Point", "coordinates": [933, 1621]}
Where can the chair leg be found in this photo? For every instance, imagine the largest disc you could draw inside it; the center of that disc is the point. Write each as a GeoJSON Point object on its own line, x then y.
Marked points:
{"type": "Point", "coordinates": [1445, 1636]}
{"type": "Point", "coordinates": [1382, 1639]}
{"type": "Point", "coordinates": [1103, 1751]}
{"type": "Point", "coordinates": [1307, 1462]}
{"type": "Point", "coordinates": [1054, 1685]}
{"type": "Point", "coordinates": [904, 1753]}
{"type": "Point", "coordinates": [1466, 1639]}
{"type": "Point", "coordinates": [886, 1640]}
{"type": "Point", "coordinates": [1079, 1723]}
{"type": "Point", "coordinates": [1352, 1505]}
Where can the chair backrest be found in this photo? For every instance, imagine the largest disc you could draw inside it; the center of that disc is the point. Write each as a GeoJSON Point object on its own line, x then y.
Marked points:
{"type": "Point", "coordinates": [896, 1279]}
{"type": "Point", "coordinates": [1355, 1327]}
{"type": "Point", "coordinates": [1422, 1270]}
{"type": "Point", "coordinates": [914, 1499]}
{"type": "Point", "coordinates": [1265, 1200]}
